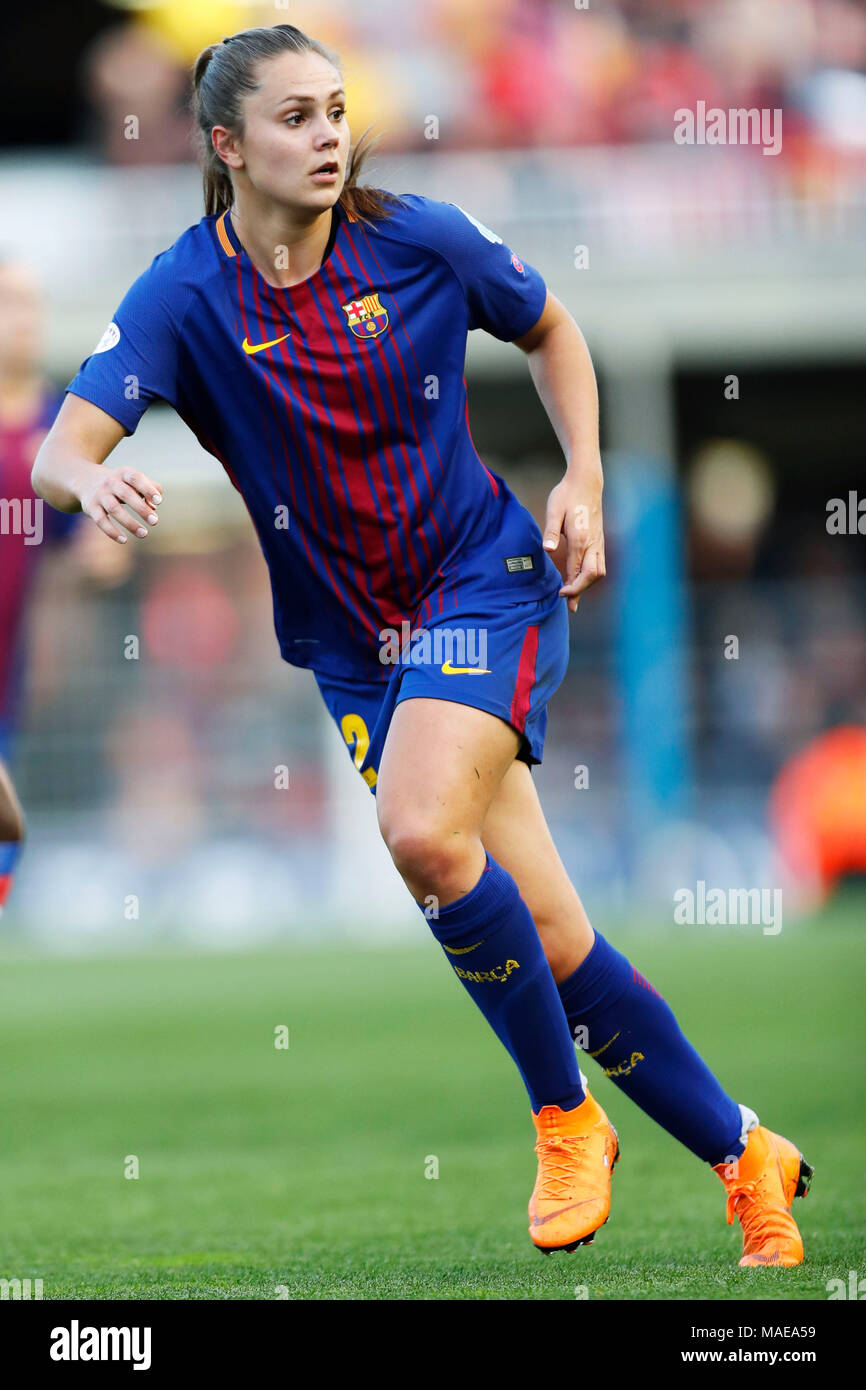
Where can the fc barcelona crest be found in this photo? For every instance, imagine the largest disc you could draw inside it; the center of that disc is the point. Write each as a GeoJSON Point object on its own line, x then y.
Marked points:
{"type": "Point", "coordinates": [366, 317]}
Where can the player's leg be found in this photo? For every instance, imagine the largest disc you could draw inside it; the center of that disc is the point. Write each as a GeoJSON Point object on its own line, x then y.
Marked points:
{"type": "Point", "coordinates": [517, 835]}
{"type": "Point", "coordinates": [616, 1015]}
{"type": "Point", "coordinates": [620, 1019]}
{"type": "Point", "coordinates": [444, 774]}
{"type": "Point", "coordinates": [434, 770]}
{"type": "Point", "coordinates": [441, 766]}
{"type": "Point", "coordinates": [11, 832]}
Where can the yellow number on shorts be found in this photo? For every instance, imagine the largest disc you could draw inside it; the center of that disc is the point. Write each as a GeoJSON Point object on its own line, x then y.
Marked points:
{"type": "Point", "coordinates": [354, 730]}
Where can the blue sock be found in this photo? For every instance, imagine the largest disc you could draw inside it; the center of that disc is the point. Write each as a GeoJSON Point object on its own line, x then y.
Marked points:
{"type": "Point", "coordinates": [491, 943]}
{"type": "Point", "coordinates": [9, 852]}
{"type": "Point", "coordinates": [633, 1035]}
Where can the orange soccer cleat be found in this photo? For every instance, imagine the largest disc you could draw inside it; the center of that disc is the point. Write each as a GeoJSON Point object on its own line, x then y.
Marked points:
{"type": "Point", "coordinates": [577, 1150]}
{"type": "Point", "coordinates": [761, 1185]}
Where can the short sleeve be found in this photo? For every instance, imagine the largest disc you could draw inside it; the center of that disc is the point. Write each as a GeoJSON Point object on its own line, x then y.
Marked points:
{"type": "Point", "coordinates": [505, 295]}
{"type": "Point", "coordinates": [136, 360]}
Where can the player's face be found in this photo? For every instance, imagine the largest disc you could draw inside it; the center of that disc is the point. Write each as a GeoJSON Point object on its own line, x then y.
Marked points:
{"type": "Point", "coordinates": [293, 124]}
{"type": "Point", "coordinates": [20, 314]}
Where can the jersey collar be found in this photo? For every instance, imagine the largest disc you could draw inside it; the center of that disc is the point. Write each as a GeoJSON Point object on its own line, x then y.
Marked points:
{"type": "Point", "coordinates": [226, 234]}
{"type": "Point", "coordinates": [231, 246]}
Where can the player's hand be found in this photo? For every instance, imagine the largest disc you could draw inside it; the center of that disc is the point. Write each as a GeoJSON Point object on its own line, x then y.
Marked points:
{"type": "Point", "coordinates": [574, 534]}
{"type": "Point", "coordinates": [121, 497]}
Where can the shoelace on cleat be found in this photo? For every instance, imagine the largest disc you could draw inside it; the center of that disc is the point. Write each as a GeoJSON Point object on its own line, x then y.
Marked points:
{"type": "Point", "coordinates": [761, 1215]}
{"type": "Point", "coordinates": [558, 1155]}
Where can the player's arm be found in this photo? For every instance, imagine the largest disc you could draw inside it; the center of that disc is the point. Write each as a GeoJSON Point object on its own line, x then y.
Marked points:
{"type": "Point", "coordinates": [562, 370]}
{"type": "Point", "coordinates": [69, 472]}
{"type": "Point", "coordinates": [508, 298]}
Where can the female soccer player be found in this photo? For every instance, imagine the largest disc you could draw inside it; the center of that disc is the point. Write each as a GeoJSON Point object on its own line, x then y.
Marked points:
{"type": "Point", "coordinates": [312, 334]}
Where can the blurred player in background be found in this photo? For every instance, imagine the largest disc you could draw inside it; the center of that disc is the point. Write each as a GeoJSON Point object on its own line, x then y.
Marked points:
{"type": "Point", "coordinates": [28, 528]}
{"type": "Point", "coordinates": [28, 405]}
{"type": "Point", "coordinates": [313, 333]}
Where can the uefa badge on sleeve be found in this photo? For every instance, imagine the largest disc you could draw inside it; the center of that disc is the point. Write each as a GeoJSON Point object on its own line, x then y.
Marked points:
{"type": "Point", "coordinates": [109, 339]}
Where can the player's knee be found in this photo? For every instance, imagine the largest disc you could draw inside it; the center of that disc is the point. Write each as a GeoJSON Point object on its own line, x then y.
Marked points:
{"type": "Point", "coordinates": [417, 848]}
{"type": "Point", "coordinates": [427, 854]}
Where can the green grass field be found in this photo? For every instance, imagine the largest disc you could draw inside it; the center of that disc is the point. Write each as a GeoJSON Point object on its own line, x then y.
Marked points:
{"type": "Point", "coordinates": [305, 1168]}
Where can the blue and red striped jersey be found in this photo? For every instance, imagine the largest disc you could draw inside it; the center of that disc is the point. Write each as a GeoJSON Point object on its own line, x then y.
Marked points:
{"type": "Point", "coordinates": [338, 409]}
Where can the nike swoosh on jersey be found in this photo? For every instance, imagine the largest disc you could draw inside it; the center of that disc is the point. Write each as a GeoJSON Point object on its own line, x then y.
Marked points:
{"type": "Point", "coordinates": [250, 348]}
{"type": "Point", "coordinates": [449, 670]}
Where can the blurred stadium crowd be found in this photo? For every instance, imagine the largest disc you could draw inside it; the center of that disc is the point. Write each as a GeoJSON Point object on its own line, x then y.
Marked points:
{"type": "Point", "coordinates": [506, 73]}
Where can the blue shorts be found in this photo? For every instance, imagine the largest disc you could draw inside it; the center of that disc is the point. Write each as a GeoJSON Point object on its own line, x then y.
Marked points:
{"type": "Point", "coordinates": [508, 663]}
